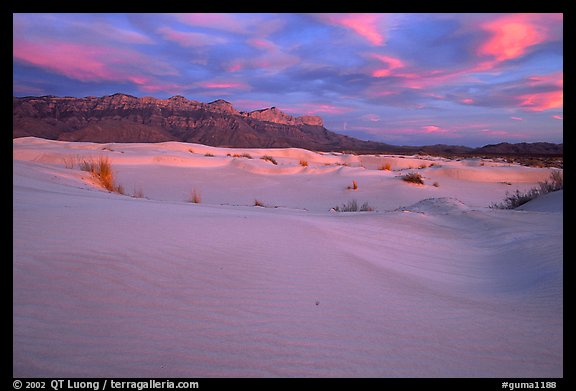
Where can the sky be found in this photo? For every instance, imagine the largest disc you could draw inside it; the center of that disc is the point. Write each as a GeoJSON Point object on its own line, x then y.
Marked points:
{"type": "Point", "coordinates": [404, 79]}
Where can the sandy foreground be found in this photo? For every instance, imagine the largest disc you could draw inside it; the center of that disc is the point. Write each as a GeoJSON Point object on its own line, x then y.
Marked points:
{"type": "Point", "coordinates": [432, 283]}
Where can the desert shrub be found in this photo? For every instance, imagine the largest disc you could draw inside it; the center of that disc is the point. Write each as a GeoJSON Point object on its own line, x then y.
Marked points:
{"type": "Point", "coordinates": [195, 197]}
{"type": "Point", "coordinates": [191, 150]}
{"type": "Point", "coordinates": [70, 161]}
{"type": "Point", "coordinates": [101, 171]}
{"type": "Point", "coordinates": [354, 186]}
{"type": "Point", "coordinates": [246, 155]}
{"type": "Point", "coordinates": [303, 163]}
{"type": "Point", "coordinates": [269, 158]}
{"type": "Point", "coordinates": [385, 167]}
{"type": "Point", "coordinates": [413, 177]}
{"type": "Point", "coordinates": [554, 182]}
{"type": "Point", "coordinates": [517, 198]}
{"type": "Point", "coordinates": [352, 206]}
{"type": "Point", "coordinates": [258, 203]}
{"type": "Point", "coordinates": [138, 192]}
{"type": "Point", "coordinates": [436, 184]}
{"type": "Point", "coordinates": [209, 155]}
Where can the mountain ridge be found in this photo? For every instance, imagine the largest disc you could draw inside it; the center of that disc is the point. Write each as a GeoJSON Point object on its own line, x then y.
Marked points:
{"type": "Point", "coordinates": [126, 118]}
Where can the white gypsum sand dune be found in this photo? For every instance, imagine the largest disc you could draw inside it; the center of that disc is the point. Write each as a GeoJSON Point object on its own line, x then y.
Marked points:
{"type": "Point", "coordinates": [433, 283]}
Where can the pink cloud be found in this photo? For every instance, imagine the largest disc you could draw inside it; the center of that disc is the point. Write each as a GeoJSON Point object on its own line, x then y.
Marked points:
{"type": "Point", "coordinates": [261, 43]}
{"type": "Point", "coordinates": [511, 36]}
{"type": "Point", "coordinates": [234, 66]}
{"type": "Point", "coordinates": [187, 39]}
{"type": "Point", "coordinates": [314, 109]}
{"type": "Point", "coordinates": [273, 59]}
{"type": "Point", "coordinates": [226, 22]}
{"type": "Point", "coordinates": [433, 129]}
{"type": "Point", "coordinates": [88, 62]}
{"type": "Point", "coordinates": [371, 117]}
{"type": "Point", "coordinates": [223, 85]}
{"type": "Point", "coordinates": [542, 101]}
{"type": "Point", "coordinates": [251, 25]}
{"type": "Point", "coordinates": [391, 64]}
{"type": "Point", "coordinates": [467, 101]}
{"type": "Point", "coordinates": [517, 118]}
{"type": "Point", "coordinates": [366, 26]}
{"type": "Point", "coordinates": [76, 61]}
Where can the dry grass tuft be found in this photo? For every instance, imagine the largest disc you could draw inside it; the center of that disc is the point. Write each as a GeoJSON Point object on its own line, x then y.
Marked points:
{"type": "Point", "coordinates": [352, 206]}
{"type": "Point", "coordinates": [246, 155]}
{"type": "Point", "coordinates": [270, 159]}
{"type": "Point", "coordinates": [138, 192]}
{"type": "Point", "coordinates": [385, 167]}
{"type": "Point", "coordinates": [101, 171]}
{"type": "Point", "coordinates": [259, 203]}
{"type": "Point", "coordinates": [354, 186]}
{"type": "Point", "coordinates": [195, 197]}
{"type": "Point", "coordinates": [513, 200]}
{"type": "Point", "coordinates": [413, 177]}
{"type": "Point", "coordinates": [303, 163]}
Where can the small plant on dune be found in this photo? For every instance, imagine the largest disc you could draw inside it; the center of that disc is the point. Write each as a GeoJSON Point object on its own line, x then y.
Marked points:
{"type": "Point", "coordinates": [303, 163]}
{"type": "Point", "coordinates": [195, 197]}
{"type": "Point", "coordinates": [517, 198]}
{"type": "Point", "coordinates": [354, 186]}
{"type": "Point", "coordinates": [352, 206]}
{"type": "Point", "coordinates": [246, 155]}
{"type": "Point", "coordinates": [70, 161]}
{"type": "Point", "coordinates": [209, 155]}
{"type": "Point", "coordinates": [101, 171]}
{"type": "Point", "coordinates": [413, 177]}
{"type": "Point", "coordinates": [259, 203]}
{"type": "Point", "coordinates": [270, 159]}
{"type": "Point", "coordinates": [138, 192]}
{"type": "Point", "coordinates": [436, 184]}
{"type": "Point", "coordinates": [385, 167]}
{"type": "Point", "coordinates": [191, 150]}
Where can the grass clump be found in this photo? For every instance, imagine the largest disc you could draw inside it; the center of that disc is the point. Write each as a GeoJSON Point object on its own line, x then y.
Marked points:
{"type": "Point", "coordinates": [413, 177]}
{"type": "Point", "coordinates": [137, 192]}
{"type": "Point", "coordinates": [245, 155]}
{"type": "Point", "coordinates": [209, 155]}
{"type": "Point", "coordinates": [352, 206]}
{"type": "Point", "coordinates": [195, 197]}
{"type": "Point", "coordinates": [303, 163]}
{"type": "Point", "coordinates": [70, 161]}
{"type": "Point", "coordinates": [259, 203]}
{"type": "Point", "coordinates": [517, 198]}
{"type": "Point", "coordinates": [101, 171]}
{"type": "Point", "coordinates": [270, 159]}
{"type": "Point", "coordinates": [385, 167]}
{"type": "Point", "coordinates": [354, 186]}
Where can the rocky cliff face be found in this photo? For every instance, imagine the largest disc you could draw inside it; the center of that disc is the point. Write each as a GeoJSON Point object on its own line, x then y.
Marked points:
{"type": "Point", "coordinates": [125, 118]}
{"type": "Point", "coordinates": [276, 116]}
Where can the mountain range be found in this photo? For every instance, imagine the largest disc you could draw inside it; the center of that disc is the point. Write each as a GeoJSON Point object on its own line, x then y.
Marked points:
{"type": "Point", "coordinates": [125, 118]}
